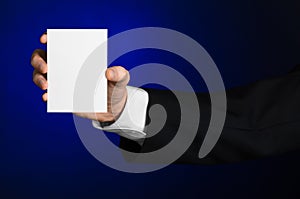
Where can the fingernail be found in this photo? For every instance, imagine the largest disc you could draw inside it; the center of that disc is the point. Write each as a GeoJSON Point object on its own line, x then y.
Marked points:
{"type": "Point", "coordinates": [111, 74]}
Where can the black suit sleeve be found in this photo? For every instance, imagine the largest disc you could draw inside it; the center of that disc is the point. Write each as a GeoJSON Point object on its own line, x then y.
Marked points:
{"type": "Point", "coordinates": [262, 119]}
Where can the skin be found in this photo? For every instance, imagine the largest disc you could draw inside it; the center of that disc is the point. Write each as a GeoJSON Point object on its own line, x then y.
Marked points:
{"type": "Point", "coordinates": [117, 76]}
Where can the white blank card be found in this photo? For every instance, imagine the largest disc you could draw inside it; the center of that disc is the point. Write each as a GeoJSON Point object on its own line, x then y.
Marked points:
{"type": "Point", "coordinates": [77, 61]}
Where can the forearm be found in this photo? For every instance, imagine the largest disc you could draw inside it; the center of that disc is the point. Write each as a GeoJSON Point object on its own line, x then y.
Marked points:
{"type": "Point", "coordinates": [262, 120]}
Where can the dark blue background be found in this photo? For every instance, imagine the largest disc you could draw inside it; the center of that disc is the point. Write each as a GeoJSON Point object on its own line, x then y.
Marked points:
{"type": "Point", "coordinates": [42, 155]}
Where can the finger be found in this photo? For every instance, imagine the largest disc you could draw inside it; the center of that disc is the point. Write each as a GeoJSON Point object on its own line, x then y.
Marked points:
{"type": "Point", "coordinates": [38, 61]}
{"type": "Point", "coordinates": [40, 80]}
{"type": "Point", "coordinates": [45, 97]}
{"type": "Point", "coordinates": [43, 38]}
{"type": "Point", "coordinates": [118, 74]}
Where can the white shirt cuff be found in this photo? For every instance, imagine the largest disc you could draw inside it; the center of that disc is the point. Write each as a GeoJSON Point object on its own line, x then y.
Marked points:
{"type": "Point", "coordinates": [131, 122]}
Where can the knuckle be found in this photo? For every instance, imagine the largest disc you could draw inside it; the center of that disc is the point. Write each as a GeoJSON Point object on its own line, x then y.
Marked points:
{"type": "Point", "coordinates": [34, 79]}
{"type": "Point", "coordinates": [34, 75]}
{"type": "Point", "coordinates": [37, 56]}
{"type": "Point", "coordinates": [38, 64]}
{"type": "Point", "coordinates": [35, 52]}
{"type": "Point", "coordinates": [33, 58]}
{"type": "Point", "coordinates": [36, 59]}
{"type": "Point", "coordinates": [37, 79]}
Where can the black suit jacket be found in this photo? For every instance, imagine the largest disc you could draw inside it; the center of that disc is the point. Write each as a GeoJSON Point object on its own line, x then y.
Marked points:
{"type": "Point", "coordinates": [263, 119]}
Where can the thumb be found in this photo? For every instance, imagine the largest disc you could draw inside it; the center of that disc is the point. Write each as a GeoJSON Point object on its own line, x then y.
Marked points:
{"type": "Point", "coordinates": [118, 75]}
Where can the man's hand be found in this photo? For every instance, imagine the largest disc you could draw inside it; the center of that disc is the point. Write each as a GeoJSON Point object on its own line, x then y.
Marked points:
{"type": "Point", "coordinates": [117, 76]}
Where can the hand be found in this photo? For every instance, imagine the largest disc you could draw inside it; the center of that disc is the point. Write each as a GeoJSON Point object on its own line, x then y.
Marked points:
{"type": "Point", "coordinates": [117, 76]}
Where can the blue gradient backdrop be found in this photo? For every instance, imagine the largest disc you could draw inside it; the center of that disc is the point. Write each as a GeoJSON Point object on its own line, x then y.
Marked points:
{"type": "Point", "coordinates": [42, 155]}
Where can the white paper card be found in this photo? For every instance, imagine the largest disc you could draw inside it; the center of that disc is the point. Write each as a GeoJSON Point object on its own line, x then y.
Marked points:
{"type": "Point", "coordinates": [77, 60]}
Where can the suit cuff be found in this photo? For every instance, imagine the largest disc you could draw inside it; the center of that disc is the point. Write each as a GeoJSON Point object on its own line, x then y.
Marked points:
{"type": "Point", "coordinates": [131, 122]}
